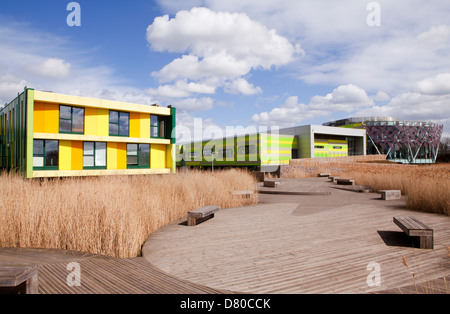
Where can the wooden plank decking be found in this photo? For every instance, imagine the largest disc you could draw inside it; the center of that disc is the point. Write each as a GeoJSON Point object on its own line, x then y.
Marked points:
{"type": "Point", "coordinates": [303, 244]}
{"type": "Point", "coordinates": [99, 274]}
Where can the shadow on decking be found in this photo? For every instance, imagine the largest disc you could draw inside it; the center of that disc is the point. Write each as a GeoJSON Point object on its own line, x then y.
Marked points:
{"type": "Point", "coordinates": [398, 238]}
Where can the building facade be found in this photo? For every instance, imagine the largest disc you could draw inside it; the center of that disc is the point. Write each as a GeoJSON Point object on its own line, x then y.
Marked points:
{"type": "Point", "coordinates": [44, 134]}
{"type": "Point", "coordinates": [401, 141]}
{"type": "Point", "coordinates": [268, 149]}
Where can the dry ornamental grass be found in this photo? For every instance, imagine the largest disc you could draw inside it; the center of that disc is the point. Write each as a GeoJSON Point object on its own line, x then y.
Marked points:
{"type": "Point", "coordinates": [108, 215]}
{"type": "Point", "coordinates": [427, 187]}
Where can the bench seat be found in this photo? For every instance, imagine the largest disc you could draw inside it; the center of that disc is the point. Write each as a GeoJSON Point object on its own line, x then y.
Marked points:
{"type": "Point", "coordinates": [345, 181]}
{"type": "Point", "coordinates": [414, 228]}
{"type": "Point", "coordinates": [17, 279]}
{"type": "Point", "coordinates": [271, 184]}
{"type": "Point", "coordinates": [201, 214]}
{"type": "Point", "coordinates": [390, 194]}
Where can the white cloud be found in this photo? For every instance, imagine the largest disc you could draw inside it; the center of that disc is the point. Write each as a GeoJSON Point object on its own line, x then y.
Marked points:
{"type": "Point", "coordinates": [428, 100]}
{"type": "Point", "coordinates": [222, 47]}
{"type": "Point", "coordinates": [241, 86]}
{"type": "Point", "coordinates": [51, 68]}
{"type": "Point", "coordinates": [193, 104]}
{"type": "Point", "coordinates": [207, 33]}
{"type": "Point", "coordinates": [346, 98]}
{"type": "Point", "coordinates": [181, 89]}
{"type": "Point", "coordinates": [381, 96]}
{"type": "Point", "coordinates": [435, 36]}
{"type": "Point", "coordinates": [439, 85]}
{"type": "Point", "coordinates": [340, 48]}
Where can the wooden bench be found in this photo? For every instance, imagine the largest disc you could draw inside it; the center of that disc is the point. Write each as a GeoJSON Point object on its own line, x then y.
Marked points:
{"type": "Point", "coordinates": [345, 181]}
{"type": "Point", "coordinates": [333, 179]}
{"type": "Point", "coordinates": [271, 184]}
{"type": "Point", "coordinates": [16, 279]}
{"type": "Point", "coordinates": [201, 214]}
{"type": "Point", "coordinates": [321, 175]}
{"type": "Point", "coordinates": [414, 228]}
{"type": "Point", "coordinates": [390, 194]}
{"type": "Point", "coordinates": [244, 193]}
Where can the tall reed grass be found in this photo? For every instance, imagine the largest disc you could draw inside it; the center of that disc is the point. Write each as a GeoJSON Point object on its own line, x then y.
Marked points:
{"type": "Point", "coordinates": [427, 187]}
{"type": "Point", "coordinates": [108, 215]}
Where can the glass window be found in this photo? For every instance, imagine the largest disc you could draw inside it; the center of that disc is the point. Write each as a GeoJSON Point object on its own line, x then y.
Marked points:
{"type": "Point", "coordinates": [124, 124]}
{"type": "Point", "coordinates": [138, 155]}
{"type": "Point", "coordinates": [94, 155]}
{"type": "Point", "coordinates": [45, 154]}
{"type": "Point", "coordinates": [38, 153]}
{"type": "Point", "coordinates": [113, 117]}
{"type": "Point", "coordinates": [65, 112]}
{"type": "Point", "coordinates": [144, 155]}
{"type": "Point", "coordinates": [51, 153]}
{"type": "Point", "coordinates": [100, 154]}
{"type": "Point", "coordinates": [154, 126]}
{"type": "Point", "coordinates": [157, 126]}
{"type": "Point", "coordinates": [71, 119]}
{"type": "Point", "coordinates": [132, 154]}
{"type": "Point", "coordinates": [77, 120]}
{"type": "Point", "coordinates": [119, 123]}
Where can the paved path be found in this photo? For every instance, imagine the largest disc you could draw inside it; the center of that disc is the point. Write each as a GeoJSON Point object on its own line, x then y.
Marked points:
{"type": "Point", "coordinates": [303, 244]}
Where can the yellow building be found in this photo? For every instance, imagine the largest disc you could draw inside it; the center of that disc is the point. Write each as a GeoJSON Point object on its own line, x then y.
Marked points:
{"type": "Point", "coordinates": [44, 134]}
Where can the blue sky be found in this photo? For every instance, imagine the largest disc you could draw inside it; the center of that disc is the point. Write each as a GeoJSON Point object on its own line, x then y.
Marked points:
{"type": "Point", "coordinates": [237, 63]}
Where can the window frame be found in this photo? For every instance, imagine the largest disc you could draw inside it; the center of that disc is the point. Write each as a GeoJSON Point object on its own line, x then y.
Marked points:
{"type": "Point", "coordinates": [71, 119]}
{"type": "Point", "coordinates": [119, 113]}
{"type": "Point", "coordinates": [44, 155]}
{"type": "Point", "coordinates": [160, 122]}
{"type": "Point", "coordinates": [94, 155]}
{"type": "Point", "coordinates": [139, 164]}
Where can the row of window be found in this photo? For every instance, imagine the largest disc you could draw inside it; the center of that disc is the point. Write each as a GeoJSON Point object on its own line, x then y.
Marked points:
{"type": "Point", "coordinates": [322, 147]}
{"type": "Point", "coordinates": [241, 150]}
{"type": "Point", "coordinates": [71, 120]}
{"type": "Point", "coordinates": [46, 155]}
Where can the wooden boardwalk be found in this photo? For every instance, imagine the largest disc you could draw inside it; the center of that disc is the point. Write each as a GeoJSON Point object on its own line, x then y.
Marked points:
{"type": "Point", "coordinates": [304, 244]}
{"type": "Point", "coordinates": [99, 274]}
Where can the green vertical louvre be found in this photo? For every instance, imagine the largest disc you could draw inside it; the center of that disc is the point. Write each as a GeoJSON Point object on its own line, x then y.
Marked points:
{"type": "Point", "coordinates": [13, 141]}
{"type": "Point", "coordinates": [171, 124]}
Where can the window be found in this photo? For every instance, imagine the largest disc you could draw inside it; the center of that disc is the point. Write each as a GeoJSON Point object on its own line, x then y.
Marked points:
{"type": "Point", "coordinates": [45, 154]}
{"type": "Point", "coordinates": [71, 120]}
{"type": "Point", "coordinates": [247, 149]}
{"type": "Point", "coordinates": [207, 152]}
{"type": "Point", "coordinates": [193, 155]}
{"type": "Point", "coordinates": [138, 155]}
{"type": "Point", "coordinates": [337, 147]}
{"type": "Point", "coordinates": [157, 126]}
{"type": "Point", "coordinates": [94, 155]}
{"type": "Point", "coordinates": [225, 153]}
{"type": "Point", "coordinates": [119, 123]}
{"type": "Point", "coordinates": [319, 146]}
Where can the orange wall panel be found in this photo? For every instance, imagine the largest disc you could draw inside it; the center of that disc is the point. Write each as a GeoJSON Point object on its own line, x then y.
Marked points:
{"type": "Point", "coordinates": [77, 155]}
{"type": "Point", "coordinates": [121, 155]}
